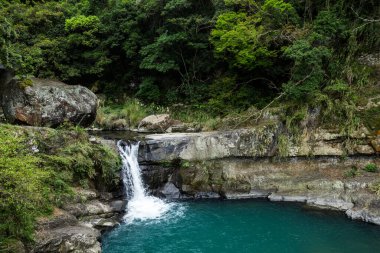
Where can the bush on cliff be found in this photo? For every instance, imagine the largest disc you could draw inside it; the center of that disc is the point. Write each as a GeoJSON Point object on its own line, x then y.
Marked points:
{"type": "Point", "coordinates": [39, 167]}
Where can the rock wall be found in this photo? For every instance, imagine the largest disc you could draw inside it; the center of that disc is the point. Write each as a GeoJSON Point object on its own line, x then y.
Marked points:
{"type": "Point", "coordinates": [321, 168]}
{"type": "Point", "coordinates": [260, 141]}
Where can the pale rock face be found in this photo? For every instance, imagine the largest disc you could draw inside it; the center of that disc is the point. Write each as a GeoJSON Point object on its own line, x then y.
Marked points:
{"type": "Point", "coordinates": [260, 141]}
{"type": "Point", "coordinates": [363, 215]}
{"type": "Point", "coordinates": [210, 145]}
{"type": "Point", "coordinates": [244, 163]}
{"type": "Point", "coordinates": [68, 239]}
{"type": "Point", "coordinates": [48, 103]}
{"type": "Point", "coordinates": [376, 144]}
{"type": "Point", "coordinates": [155, 123]}
{"type": "Point", "coordinates": [364, 150]}
{"type": "Point", "coordinates": [77, 227]}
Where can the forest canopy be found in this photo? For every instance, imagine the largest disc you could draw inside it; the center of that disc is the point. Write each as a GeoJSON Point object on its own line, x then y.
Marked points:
{"type": "Point", "coordinates": [225, 54]}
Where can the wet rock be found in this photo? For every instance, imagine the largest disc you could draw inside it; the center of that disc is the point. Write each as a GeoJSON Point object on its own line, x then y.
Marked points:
{"type": "Point", "coordinates": [106, 224]}
{"type": "Point", "coordinates": [207, 195]}
{"type": "Point", "coordinates": [320, 182]}
{"type": "Point", "coordinates": [170, 191]}
{"type": "Point", "coordinates": [234, 195]}
{"type": "Point", "coordinates": [277, 197]}
{"type": "Point", "coordinates": [94, 140]}
{"type": "Point", "coordinates": [42, 102]}
{"type": "Point", "coordinates": [118, 205]}
{"type": "Point", "coordinates": [330, 203]}
{"type": "Point", "coordinates": [363, 215]}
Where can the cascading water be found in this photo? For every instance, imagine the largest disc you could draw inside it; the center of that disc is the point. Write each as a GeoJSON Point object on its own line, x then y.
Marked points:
{"type": "Point", "coordinates": [140, 205]}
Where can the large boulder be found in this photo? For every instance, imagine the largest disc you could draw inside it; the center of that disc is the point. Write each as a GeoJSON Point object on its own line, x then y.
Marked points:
{"type": "Point", "coordinates": [40, 102]}
{"type": "Point", "coordinates": [163, 123]}
{"type": "Point", "coordinates": [157, 123]}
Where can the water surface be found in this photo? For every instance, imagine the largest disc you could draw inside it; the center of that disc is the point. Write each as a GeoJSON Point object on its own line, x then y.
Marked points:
{"type": "Point", "coordinates": [244, 226]}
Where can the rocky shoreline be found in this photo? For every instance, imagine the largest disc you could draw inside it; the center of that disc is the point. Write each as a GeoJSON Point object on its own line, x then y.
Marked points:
{"type": "Point", "coordinates": [320, 182]}
{"type": "Point", "coordinates": [320, 170]}
{"type": "Point", "coordinates": [77, 226]}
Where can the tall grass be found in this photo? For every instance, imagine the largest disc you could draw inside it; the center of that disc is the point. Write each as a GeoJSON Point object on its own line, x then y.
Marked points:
{"type": "Point", "coordinates": [126, 115]}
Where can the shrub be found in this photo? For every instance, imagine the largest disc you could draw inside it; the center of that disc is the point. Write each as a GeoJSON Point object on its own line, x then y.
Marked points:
{"type": "Point", "coordinates": [33, 182]}
{"type": "Point", "coordinates": [22, 185]}
{"type": "Point", "coordinates": [371, 167]}
{"type": "Point", "coordinates": [352, 172]}
{"type": "Point", "coordinates": [125, 115]}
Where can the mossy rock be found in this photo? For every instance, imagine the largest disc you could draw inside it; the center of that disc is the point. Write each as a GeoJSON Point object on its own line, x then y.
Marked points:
{"type": "Point", "coordinates": [24, 83]}
{"type": "Point", "coordinates": [371, 119]}
{"type": "Point", "coordinates": [237, 185]}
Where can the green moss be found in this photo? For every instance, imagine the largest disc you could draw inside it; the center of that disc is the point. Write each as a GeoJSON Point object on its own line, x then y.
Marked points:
{"type": "Point", "coordinates": [371, 167]}
{"type": "Point", "coordinates": [371, 118]}
{"type": "Point", "coordinates": [283, 145]}
{"type": "Point", "coordinates": [24, 83]}
{"type": "Point", "coordinates": [353, 172]}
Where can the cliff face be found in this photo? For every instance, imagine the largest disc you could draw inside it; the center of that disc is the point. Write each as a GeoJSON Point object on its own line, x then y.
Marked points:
{"type": "Point", "coordinates": [261, 141]}
{"type": "Point", "coordinates": [321, 168]}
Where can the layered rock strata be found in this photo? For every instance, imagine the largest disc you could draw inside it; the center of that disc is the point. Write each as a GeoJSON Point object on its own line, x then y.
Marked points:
{"type": "Point", "coordinates": [322, 168]}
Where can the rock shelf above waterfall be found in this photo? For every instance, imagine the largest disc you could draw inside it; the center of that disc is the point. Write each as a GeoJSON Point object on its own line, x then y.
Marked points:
{"type": "Point", "coordinates": [260, 141]}
{"type": "Point", "coordinates": [320, 169]}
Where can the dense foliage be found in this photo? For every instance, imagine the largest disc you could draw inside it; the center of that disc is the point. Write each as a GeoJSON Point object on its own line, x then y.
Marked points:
{"type": "Point", "coordinates": [38, 170]}
{"type": "Point", "coordinates": [214, 54]}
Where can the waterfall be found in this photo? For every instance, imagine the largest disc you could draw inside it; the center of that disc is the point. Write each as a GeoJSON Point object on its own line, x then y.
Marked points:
{"type": "Point", "coordinates": [140, 205]}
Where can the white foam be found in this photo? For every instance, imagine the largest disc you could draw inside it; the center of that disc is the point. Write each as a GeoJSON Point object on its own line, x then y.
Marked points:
{"type": "Point", "coordinates": [141, 207]}
{"type": "Point", "coordinates": [146, 208]}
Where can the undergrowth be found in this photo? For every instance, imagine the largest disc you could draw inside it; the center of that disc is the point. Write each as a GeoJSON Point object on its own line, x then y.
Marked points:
{"type": "Point", "coordinates": [39, 167]}
{"type": "Point", "coordinates": [124, 115]}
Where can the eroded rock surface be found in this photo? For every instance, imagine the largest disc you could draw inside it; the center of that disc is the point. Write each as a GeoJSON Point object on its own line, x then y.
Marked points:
{"type": "Point", "coordinates": [320, 169]}
{"type": "Point", "coordinates": [260, 141]}
{"type": "Point", "coordinates": [78, 225]}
